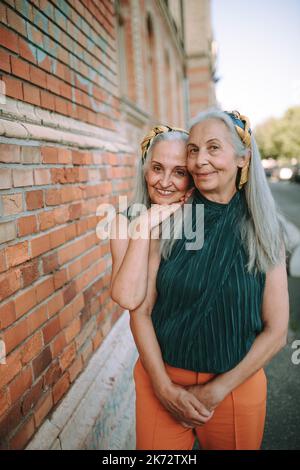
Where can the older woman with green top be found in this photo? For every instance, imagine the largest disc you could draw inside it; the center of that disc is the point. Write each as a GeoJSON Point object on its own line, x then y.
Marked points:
{"type": "Point", "coordinates": [218, 313]}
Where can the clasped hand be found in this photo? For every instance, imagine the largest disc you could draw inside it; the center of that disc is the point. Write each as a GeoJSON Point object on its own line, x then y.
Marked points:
{"type": "Point", "coordinates": [192, 405]}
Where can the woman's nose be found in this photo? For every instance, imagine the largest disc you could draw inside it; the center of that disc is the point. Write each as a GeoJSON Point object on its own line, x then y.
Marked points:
{"type": "Point", "coordinates": [165, 180]}
{"type": "Point", "coordinates": [201, 157]}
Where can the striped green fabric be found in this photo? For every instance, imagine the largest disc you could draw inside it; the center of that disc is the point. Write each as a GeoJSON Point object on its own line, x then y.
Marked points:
{"type": "Point", "coordinates": [208, 310]}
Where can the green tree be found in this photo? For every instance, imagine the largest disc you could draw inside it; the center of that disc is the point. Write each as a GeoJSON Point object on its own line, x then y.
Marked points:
{"type": "Point", "coordinates": [280, 137]}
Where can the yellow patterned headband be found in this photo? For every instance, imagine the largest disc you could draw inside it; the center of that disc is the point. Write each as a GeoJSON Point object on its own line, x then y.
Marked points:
{"type": "Point", "coordinates": [147, 140]}
{"type": "Point", "coordinates": [242, 126]}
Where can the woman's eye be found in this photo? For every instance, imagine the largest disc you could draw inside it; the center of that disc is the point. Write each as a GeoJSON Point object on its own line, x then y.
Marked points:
{"type": "Point", "coordinates": [156, 168]}
{"type": "Point", "coordinates": [180, 173]}
{"type": "Point", "coordinates": [213, 147]}
{"type": "Point", "coordinates": [192, 151]}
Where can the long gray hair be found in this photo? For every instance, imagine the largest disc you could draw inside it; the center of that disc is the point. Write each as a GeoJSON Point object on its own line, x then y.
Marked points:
{"type": "Point", "coordinates": [262, 233]}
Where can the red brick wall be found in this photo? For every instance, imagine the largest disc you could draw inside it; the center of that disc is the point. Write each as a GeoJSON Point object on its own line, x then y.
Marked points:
{"type": "Point", "coordinates": [61, 56]}
{"type": "Point", "coordinates": [55, 307]}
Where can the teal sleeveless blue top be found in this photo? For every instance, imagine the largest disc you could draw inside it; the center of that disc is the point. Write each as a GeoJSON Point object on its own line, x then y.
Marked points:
{"type": "Point", "coordinates": [208, 309]}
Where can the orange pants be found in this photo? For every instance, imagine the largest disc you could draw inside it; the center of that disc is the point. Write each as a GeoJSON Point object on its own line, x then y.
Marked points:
{"type": "Point", "coordinates": [237, 423]}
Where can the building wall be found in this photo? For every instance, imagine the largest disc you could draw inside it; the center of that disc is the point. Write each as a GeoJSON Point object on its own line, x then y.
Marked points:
{"type": "Point", "coordinates": [77, 103]}
{"type": "Point", "coordinates": [200, 55]}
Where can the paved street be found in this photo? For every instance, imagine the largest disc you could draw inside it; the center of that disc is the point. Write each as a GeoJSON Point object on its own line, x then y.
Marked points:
{"type": "Point", "coordinates": [283, 410]}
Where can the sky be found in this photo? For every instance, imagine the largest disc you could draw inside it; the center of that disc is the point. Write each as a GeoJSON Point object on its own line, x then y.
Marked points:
{"type": "Point", "coordinates": [258, 58]}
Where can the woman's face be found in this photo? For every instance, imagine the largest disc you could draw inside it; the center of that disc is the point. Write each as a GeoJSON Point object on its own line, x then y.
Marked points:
{"type": "Point", "coordinates": [211, 159]}
{"type": "Point", "coordinates": [167, 177]}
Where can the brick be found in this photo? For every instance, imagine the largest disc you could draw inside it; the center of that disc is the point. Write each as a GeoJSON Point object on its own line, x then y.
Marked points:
{"type": "Point", "coordinates": [86, 351]}
{"type": "Point", "coordinates": [67, 357]}
{"type": "Point", "coordinates": [10, 369]}
{"type": "Point", "coordinates": [5, 61]}
{"type": "Point", "coordinates": [52, 375]}
{"type": "Point", "coordinates": [60, 278]}
{"type": "Point", "coordinates": [47, 100]}
{"type": "Point", "coordinates": [42, 176]}
{"type": "Point", "coordinates": [7, 231]}
{"type": "Point", "coordinates": [32, 397]}
{"type": "Point", "coordinates": [43, 409]}
{"type": "Point", "coordinates": [31, 94]}
{"type": "Point", "coordinates": [20, 68]}
{"type": "Point", "coordinates": [37, 318]}
{"type": "Point", "coordinates": [72, 330]}
{"type": "Point", "coordinates": [25, 51]}
{"type": "Point", "coordinates": [10, 282]}
{"type": "Point", "coordinates": [30, 154]}
{"type": "Point", "coordinates": [21, 384]}
{"type": "Point", "coordinates": [51, 330]}
{"type": "Point", "coordinates": [55, 304]}
{"type": "Point", "coordinates": [40, 245]}
{"type": "Point", "coordinates": [49, 154]}
{"type": "Point", "coordinates": [16, 22]}
{"type": "Point", "coordinates": [14, 88]}
{"type": "Point", "coordinates": [66, 316]}
{"type": "Point", "coordinates": [8, 422]}
{"type": "Point", "coordinates": [5, 400]}
{"type": "Point", "coordinates": [23, 435]}
{"type": "Point", "coordinates": [65, 156]}
{"type": "Point", "coordinates": [44, 289]}
{"type": "Point", "coordinates": [69, 293]}
{"type": "Point", "coordinates": [34, 200]}
{"type": "Point", "coordinates": [41, 362]}
{"type": "Point", "coordinates": [31, 348]}
{"type": "Point", "coordinates": [58, 175]}
{"type": "Point", "coordinates": [60, 388]}
{"type": "Point", "coordinates": [58, 344]}
{"type": "Point", "coordinates": [97, 340]}
{"type": "Point", "coordinates": [17, 254]}
{"type": "Point", "coordinates": [50, 263]}
{"type": "Point", "coordinates": [46, 220]}
{"type": "Point", "coordinates": [58, 237]}
{"type": "Point", "coordinates": [15, 335]}
{"type": "Point", "coordinates": [53, 197]}
{"type": "Point", "coordinates": [5, 178]}
{"type": "Point", "coordinates": [22, 178]}
{"type": "Point", "coordinates": [30, 273]}
{"type": "Point", "coordinates": [12, 204]}
{"type": "Point", "coordinates": [27, 225]}
{"type": "Point", "coordinates": [9, 153]}
{"type": "Point", "coordinates": [7, 314]}
{"type": "Point", "coordinates": [9, 39]}
{"type": "Point", "coordinates": [75, 369]}
{"type": "Point", "coordinates": [37, 76]}
{"type": "Point", "coordinates": [25, 301]}
{"type": "Point", "coordinates": [52, 84]}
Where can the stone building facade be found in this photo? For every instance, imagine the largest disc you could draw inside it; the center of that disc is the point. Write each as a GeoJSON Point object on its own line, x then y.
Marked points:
{"type": "Point", "coordinates": [81, 81]}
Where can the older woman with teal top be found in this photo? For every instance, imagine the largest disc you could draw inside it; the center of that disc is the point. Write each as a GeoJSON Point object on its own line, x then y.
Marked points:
{"type": "Point", "coordinates": [218, 313]}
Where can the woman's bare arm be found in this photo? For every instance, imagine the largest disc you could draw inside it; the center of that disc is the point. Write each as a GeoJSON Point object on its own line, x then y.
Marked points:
{"type": "Point", "coordinates": [131, 254]}
{"type": "Point", "coordinates": [129, 265]}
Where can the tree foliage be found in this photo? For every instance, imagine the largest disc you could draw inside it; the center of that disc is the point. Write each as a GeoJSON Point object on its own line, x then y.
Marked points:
{"type": "Point", "coordinates": [280, 137]}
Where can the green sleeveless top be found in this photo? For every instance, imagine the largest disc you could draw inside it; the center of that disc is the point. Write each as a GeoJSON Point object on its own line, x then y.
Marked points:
{"type": "Point", "coordinates": [208, 309]}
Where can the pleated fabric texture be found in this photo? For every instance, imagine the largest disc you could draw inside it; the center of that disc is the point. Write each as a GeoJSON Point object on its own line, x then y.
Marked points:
{"type": "Point", "coordinates": [208, 310]}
